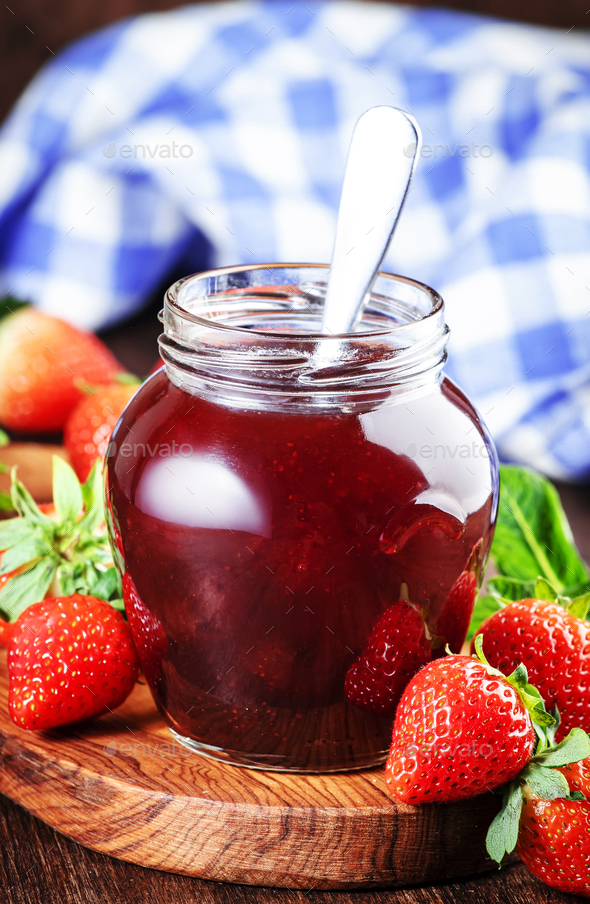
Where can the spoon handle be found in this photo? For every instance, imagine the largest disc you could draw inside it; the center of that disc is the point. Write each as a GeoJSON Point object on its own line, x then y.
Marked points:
{"type": "Point", "coordinates": [381, 160]}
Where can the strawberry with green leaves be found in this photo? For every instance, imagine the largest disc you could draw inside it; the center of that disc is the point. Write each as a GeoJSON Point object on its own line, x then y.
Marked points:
{"type": "Point", "coordinates": [69, 659]}
{"type": "Point", "coordinates": [70, 652]}
{"type": "Point", "coordinates": [461, 728]}
{"type": "Point", "coordinates": [59, 555]}
{"type": "Point", "coordinates": [554, 835]}
{"type": "Point", "coordinates": [554, 645]}
{"type": "Point", "coordinates": [545, 814]}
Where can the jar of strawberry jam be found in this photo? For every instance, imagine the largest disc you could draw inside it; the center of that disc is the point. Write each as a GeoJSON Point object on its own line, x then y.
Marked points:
{"type": "Point", "coordinates": [301, 520]}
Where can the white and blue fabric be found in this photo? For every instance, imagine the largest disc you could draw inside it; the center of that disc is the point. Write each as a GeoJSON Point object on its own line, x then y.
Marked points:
{"type": "Point", "coordinates": [217, 134]}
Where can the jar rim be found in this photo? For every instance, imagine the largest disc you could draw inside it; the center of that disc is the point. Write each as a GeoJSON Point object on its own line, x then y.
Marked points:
{"type": "Point", "coordinates": [246, 336]}
{"type": "Point", "coordinates": [174, 291]}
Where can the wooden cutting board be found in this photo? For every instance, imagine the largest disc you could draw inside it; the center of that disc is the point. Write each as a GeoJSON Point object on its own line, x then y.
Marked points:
{"type": "Point", "coordinates": [123, 786]}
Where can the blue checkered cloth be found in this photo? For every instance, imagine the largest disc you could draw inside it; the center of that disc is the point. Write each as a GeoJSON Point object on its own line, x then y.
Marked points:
{"type": "Point", "coordinates": [217, 134]}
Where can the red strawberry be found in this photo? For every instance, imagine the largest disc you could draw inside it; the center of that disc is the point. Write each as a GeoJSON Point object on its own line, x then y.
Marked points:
{"type": "Point", "coordinates": [90, 425]}
{"type": "Point", "coordinates": [397, 647]}
{"type": "Point", "coordinates": [555, 648]}
{"type": "Point", "coordinates": [148, 633]}
{"type": "Point", "coordinates": [69, 658]}
{"type": "Point", "coordinates": [6, 630]}
{"type": "Point", "coordinates": [454, 619]}
{"type": "Point", "coordinates": [554, 836]}
{"type": "Point", "coordinates": [42, 358]}
{"type": "Point", "coordinates": [461, 728]}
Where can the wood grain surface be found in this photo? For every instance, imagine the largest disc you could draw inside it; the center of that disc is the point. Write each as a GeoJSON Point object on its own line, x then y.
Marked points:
{"type": "Point", "coordinates": [39, 866]}
{"type": "Point", "coordinates": [125, 787]}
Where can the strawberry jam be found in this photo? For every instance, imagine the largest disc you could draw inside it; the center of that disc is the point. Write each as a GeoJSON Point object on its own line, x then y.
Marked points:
{"type": "Point", "coordinates": [262, 535]}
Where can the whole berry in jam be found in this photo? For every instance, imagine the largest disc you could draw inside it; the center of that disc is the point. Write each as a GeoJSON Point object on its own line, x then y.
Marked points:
{"type": "Point", "coordinates": [148, 634]}
{"type": "Point", "coordinates": [396, 649]}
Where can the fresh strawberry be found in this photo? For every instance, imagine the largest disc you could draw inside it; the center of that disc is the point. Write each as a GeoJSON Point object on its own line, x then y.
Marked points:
{"type": "Point", "coordinates": [148, 633]}
{"type": "Point", "coordinates": [43, 360]}
{"type": "Point", "coordinates": [88, 428]}
{"type": "Point", "coordinates": [461, 728]}
{"type": "Point", "coordinates": [555, 648]}
{"type": "Point", "coordinates": [554, 836]}
{"type": "Point", "coordinates": [69, 658]}
{"type": "Point", "coordinates": [397, 647]}
{"type": "Point", "coordinates": [545, 814]}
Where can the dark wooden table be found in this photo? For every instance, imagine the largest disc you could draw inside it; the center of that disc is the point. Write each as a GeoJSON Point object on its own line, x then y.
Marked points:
{"type": "Point", "coordinates": [38, 866]}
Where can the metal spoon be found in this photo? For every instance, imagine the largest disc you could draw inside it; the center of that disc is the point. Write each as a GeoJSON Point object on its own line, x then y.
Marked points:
{"type": "Point", "coordinates": [381, 160]}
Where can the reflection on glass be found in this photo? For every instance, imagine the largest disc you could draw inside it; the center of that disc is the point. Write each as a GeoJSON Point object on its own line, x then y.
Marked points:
{"type": "Point", "coordinates": [199, 492]}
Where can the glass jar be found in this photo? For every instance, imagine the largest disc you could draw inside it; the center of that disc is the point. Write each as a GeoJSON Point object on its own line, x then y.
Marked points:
{"type": "Point", "coordinates": [290, 510]}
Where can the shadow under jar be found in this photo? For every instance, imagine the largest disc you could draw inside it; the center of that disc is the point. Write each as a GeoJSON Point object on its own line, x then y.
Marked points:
{"type": "Point", "coordinates": [272, 492]}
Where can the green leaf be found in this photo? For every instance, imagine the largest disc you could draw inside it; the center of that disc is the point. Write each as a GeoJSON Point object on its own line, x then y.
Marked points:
{"type": "Point", "coordinates": [92, 493]}
{"type": "Point", "coordinates": [26, 506]}
{"type": "Point", "coordinates": [127, 379]}
{"type": "Point", "coordinates": [579, 606]}
{"type": "Point", "coordinates": [533, 536]}
{"type": "Point", "coordinates": [67, 492]}
{"type": "Point", "coordinates": [65, 577]}
{"type": "Point", "coordinates": [484, 607]}
{"type": "Point", "coordinates": [19, 554]}
{"type": "Point", "coordinates": [573, 748]}
{"type": "Point", "coordinates": [75, 577]}
{"type": "Point", "coordinates": [511, 589]}
{"type": "Point", "coordinates": [533, 691]}
{"type": "Point", "coordinates": [6, 503]}
{"type": "Point", "coordinates": [108, 585]}
{"type": "Point", "coordinates": [536, 710]}
{"type": "Point", "coordinates": [548, 784]}
{"type": "Point", "coordinates": [575, 590]}
{"type": "Point", "coordinates": [92, 489]}
{"type": "Point", "coordinates": [27, 588]}
{"type": "Point", "coordinates": [118, 604]}
{"type": "Point", "coordinates": [519, 678]}
{"type": "Point", "coordinates": [544, 590]}
{"type": "Point", "coordinates": [4, 438]}
{"type": "Point", "coordinates": [16, 530]}
{"type": "Point", "coordinates": [503, 832]}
